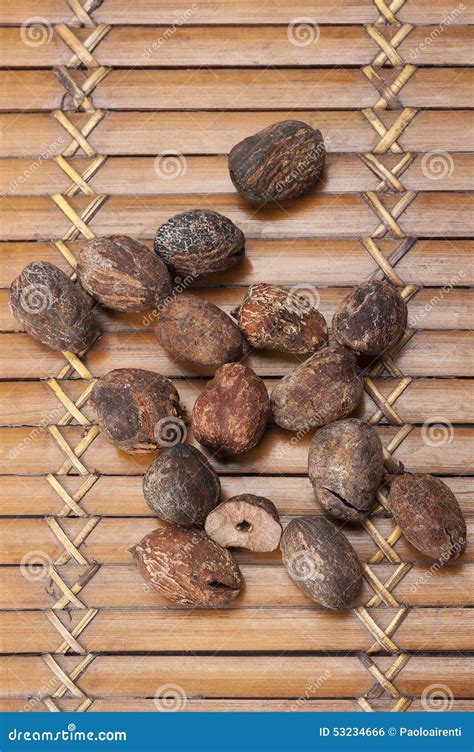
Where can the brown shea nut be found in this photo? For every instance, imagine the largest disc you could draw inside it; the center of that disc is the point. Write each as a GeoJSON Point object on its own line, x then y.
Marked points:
{"type": "Point", "coordinates": [272, 318]}
{"type": "Point", "coordinates": [180, 486]}
{"type": "Point", "coordinates": [138, 410]}
{"type": "Point", "coordinates": [428, 514]}
{"type": "Point", "coordinates": [52, 308]}
{"type": "Point", "coordinates": [325, 388]}
{"type": "Point", "coordinates": [187, 567]}
{"type": "Point", "coordinates": [195, 330]}
{"type": "Point", "coordinates": [277, 163]}
{"type": "Point", "coordinates": [231, 413]}
{"type": "Point", "coordinates": [246, 521]}
{"type": "Point", "coordinates": [321, 561]}
{"type": "Point", "coordinates": [346, 466]}
{"type": "Point", "coordinates": [199, 241]}
{"type": "Point", "coordinates": [371, 318]}
{"type": "Point", "coordinates": [123, 274]}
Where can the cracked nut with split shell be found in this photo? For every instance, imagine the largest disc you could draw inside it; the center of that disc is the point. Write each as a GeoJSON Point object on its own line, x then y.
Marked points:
{"type": "Point", "coordinates": [246, 521]}
{"type": "Point", "coordinates": [346, 466]}
{"type": "Point", "coordinates": [185, 566]}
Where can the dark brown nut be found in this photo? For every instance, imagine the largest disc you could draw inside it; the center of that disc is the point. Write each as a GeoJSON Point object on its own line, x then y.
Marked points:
{"type": "Point", "coordinates": [321, 561]}
{"type": "Point", "coordinates": [195, 330]}
{"type": "Point", "coordinates": [199, 241]}
{"type": "Point", "coordinates": [187, 567]}
{"type": "Point", "coordinates": [137, 410]}
{"type": "Point", "coordinates": [181, 486]}
{"type": "Point", "coordinates": [429, 515]}
{"type": "Point", "coordinates": [274, 319]}
{"type": "Point", "coordinates": [231, 413]}
{"type": "Point", "coordinates": [346, 466]}
{"type": "Point", "coordinates": [52, 308]}
{"type": "Point", "coordinates": [246, 521]}
{"type": "Point", "coordinates": [324, 388]}
{"type": "Point", "coordinates": [123, 274]}
{"type": "Point", "coordinates": [371, 318]}
{"type": "Point", "coordinates": [277, 163]}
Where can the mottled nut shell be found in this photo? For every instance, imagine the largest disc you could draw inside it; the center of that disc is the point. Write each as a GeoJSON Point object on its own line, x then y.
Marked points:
{"type": "Point", "coordinates": [324, 388]}
{"type": "Point", "coordinates": [246, 521]}
{"type": "Point", "coordinates": [195, 330]}
{"type": "Point", "coordinates": [321, 561]}
{"type": "Point", "coordinates": [429, 515]}
{"type": "Point", "coordinates": [180, 486]}
{"type": "Point", "coordinates": [123, 274]}
{"type": "Point", "coordinates": [231, 413]}
{"type": "Point", "coordinates": [277, 163]}
{"type": "Point", "coordinates": [52, 308]}
{"type": "Point", "coordinates": [199, 241]}
{"type": "Point", "coordinates": [346, 466]}
{"type": "Point", "coordinates": [272, 318]}
{"type": "Point", "coordinates": [371, 318]}
{"type": "Point", "coordinates": [137, 410]}
{"type": "Point", "coordinates": [187, 567]}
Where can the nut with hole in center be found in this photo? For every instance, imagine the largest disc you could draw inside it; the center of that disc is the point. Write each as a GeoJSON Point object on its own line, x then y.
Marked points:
{"type": "Point", "coordinates": [246, 521]}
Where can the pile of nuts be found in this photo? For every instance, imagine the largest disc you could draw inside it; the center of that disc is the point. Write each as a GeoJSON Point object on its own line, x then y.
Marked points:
{"type": "Point", "coordinates": [189, 560]}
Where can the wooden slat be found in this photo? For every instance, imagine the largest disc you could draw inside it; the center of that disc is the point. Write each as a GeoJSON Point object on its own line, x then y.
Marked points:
{"type": "Point", "coordinates": [428, 353]}
{"type": "Point", "coordinates": [111, 538]}
{"type": "Point", "coordinates": [252, 629]}
{"type": "Point", "coordinates": [232, 89]}
{"type": "Point", "coordinates": [123, 497]}
{"type": "Point", "coordinates": [430, 308]}
{"type": "Point", "coordinates": [28, 135]}
{"type": "Point", "coordinates": [429, 215]}
{"type": "Point", "coordinates": [246, 12]}
{"type": "Point", "coordinates": [35, 404]}
{"type": "Point", "coordinates": [210, 175]}
{"type": "Point", "coordinates": [239, 46]}
{"type": "Point", "coordinates": [233, 676]}
{"type": "Point", "coordinates": [322, 262]}
{"type": "Point", "coordinates": [422, 586]}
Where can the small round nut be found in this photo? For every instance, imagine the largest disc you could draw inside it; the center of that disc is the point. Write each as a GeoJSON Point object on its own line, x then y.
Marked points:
{"type": "Point", "coordinates": [199, 241]}
{"type": "Point", "coordinates": [277, 163]}
{"type": "Point", "coordinates": [180, 486]}
{"type": "Point", "coordinates": [197, 331]}
{"type": "Point", "coordinates": [123, 274]}
{"type": "Point", "coordinates": [186, 566]}
{"type": "Point", "coordinates": [53, 308]}
{"type": "Point", "coordinates": [246, 521]}
{"type": "Point", "coordinates": [138, 411]}
{"type": "Point", "coordinates": [371, 318]}
{"type": "Point", "coordinates": [272, 318]}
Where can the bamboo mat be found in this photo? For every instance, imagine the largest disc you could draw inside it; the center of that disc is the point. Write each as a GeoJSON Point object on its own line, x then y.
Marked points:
{"type": "Point", "coordinates": [116, 115]}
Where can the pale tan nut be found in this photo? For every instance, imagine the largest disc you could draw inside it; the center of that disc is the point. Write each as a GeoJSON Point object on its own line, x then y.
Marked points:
{"type": "Point", "coordinates": [371, 318]}
{"type": "Point", "coordinates": [123, 274]}
{"type": "Point", "coordinates": [231, 413]}
{"type": "Point", "coordinates": [273, 318]}
{"type": "Point", "coordinates": [197, 331]}
{"type": "Point", "coordinates": [246, 521]}
{"type": "Point", "coordinates": [187, 567]}
{"type": "Point", "coordinates": [345, 467]}
{"type": "Point", "coordinates": [321, 561]}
